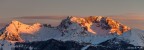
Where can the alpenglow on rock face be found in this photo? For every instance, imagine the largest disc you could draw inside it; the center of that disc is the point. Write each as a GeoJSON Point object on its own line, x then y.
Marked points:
{"type": "Point", "coordinates": [13, 30]}
{"type": "Point", "coordinates": [103, 22]}
{"type": "Point", "coordinates": [88, 33]}
{"type": "Point", "coordinates": [92, 24]}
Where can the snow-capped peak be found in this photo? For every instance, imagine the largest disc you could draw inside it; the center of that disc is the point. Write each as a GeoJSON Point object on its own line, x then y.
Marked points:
{"type": "Point", "coordinates": [92, 29]}
{"type": "Point", "coordinates": [93, 24]}
{"type": "Point", "coordinates": [97, 21]}
{"type": "Point", "coordinates": [13, 30]}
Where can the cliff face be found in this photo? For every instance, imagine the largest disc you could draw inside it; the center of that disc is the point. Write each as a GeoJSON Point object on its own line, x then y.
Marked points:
{"type": "Point", "coordinates": [74, 33]}
{"type": "Point", "coordinates": [69, 25]}
{"type": "Point", "coordinates": [103, 22]}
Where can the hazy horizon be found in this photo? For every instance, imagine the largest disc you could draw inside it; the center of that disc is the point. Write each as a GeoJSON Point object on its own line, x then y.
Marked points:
{"type": "Point", "coordinates": [129, 12]}
{"type": "Point", "coordinates": [129, 20]}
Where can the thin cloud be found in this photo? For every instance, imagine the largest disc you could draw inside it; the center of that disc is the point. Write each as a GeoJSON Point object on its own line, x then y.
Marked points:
{"type": "Point", "coordinates": [130, 20]}
{"type": "Point", "coordinates": [41, 17]}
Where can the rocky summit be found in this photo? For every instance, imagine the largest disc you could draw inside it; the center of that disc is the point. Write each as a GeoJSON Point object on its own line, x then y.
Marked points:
{"type": "Point", "coordinates": [99, 21]}
{"type": "Point", "coordinates": [83, 33]}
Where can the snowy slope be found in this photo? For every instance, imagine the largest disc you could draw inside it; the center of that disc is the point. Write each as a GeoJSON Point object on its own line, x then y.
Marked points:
{"type": "Point", "coordinates": [74, 33]}
{"type": "Point", "coordinates": [15, 28]}
{"type": "Point", "coordinates": [93, 30]}
{"type": "Point", "coordinates": [134, 36]}
{"type": "Point", "coordinates": [69, 30]}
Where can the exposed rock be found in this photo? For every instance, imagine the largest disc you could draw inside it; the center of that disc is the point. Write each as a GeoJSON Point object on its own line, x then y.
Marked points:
{"type": "Point", "coordinates": [15, 28]}
{"type": "Point", "coordinates": [103, 22]}
{"type": "Point", "coordinates": [47, 25]}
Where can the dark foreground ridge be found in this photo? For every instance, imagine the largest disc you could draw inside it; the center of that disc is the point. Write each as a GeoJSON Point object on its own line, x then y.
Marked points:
{"type": "Point", "coordinates": [52, 44]}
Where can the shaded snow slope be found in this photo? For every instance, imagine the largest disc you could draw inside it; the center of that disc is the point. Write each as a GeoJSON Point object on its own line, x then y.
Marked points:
{"type": "Point", "coordinates": [81, 30]}
{"type": "Point", "coordinates": [134, 36]}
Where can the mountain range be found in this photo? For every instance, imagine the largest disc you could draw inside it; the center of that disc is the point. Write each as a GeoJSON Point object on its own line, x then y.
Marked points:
{"type": "Point", "coordinates": [73, 33]}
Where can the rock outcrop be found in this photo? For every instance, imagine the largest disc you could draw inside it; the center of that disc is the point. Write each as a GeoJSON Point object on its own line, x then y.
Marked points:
{"type": "Point", "coordinates": [15, 28]}
{"type": "Point", "coordinates": [103, 22]}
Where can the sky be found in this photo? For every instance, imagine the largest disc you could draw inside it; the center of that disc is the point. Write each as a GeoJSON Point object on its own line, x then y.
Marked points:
{"type": "Point", "coordinates": [10, 8]}
{"type": "Point", "coordinates": [131, 10]}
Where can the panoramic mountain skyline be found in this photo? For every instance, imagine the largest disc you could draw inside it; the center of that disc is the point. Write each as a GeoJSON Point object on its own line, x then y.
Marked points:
{"type": "Point", "coordinates": [132, 20]}
{"type": "Point", "coordinates": [129, 12]}
{"type": "Point", "coordinates": [91, 32]}
{"type": "Point", "coordinates": [71, 25]}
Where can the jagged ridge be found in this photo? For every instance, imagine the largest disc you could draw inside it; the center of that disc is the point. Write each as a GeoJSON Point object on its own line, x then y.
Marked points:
{"type": "Point", "coordinates": [74, 29]}
{"type": "Point", "coordinates": [99, 21]}
{"type": "Point", "coordinates": [15, 28]}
